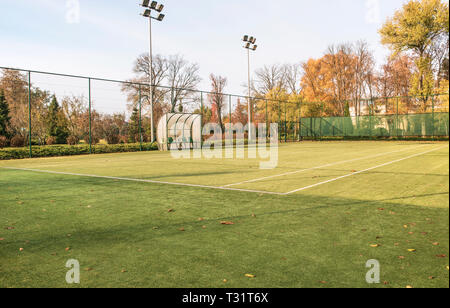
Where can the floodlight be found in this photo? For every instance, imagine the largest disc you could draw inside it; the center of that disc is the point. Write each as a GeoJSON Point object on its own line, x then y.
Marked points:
{"type": "Point", "coordinates": [254, 40]}
{"type": "Point", "coordinates": [251, 39]}
{"type": "Point", "coordinates": [254, 47]}
{"type": "Point", "coordinates": [154, 5]}
{"type": "Point", "coordinates": [161, 17]}
{"type": "Point", "coordinates": [145, 3]}
{"type": "Point", "coordinates": [160, 8]}
{"type": "Point", "coordinates": [245, 39]}
{"type": "Point", "coordinates": [147, 13]}
{"type": "Point", "coordinates": [247, 45]}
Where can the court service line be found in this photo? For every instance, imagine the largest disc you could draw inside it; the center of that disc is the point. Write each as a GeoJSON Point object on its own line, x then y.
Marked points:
{"type": "Point", "coordinates": [362, 171]}
{"type": "Point", "coordinates": [319, 167]}
{"type": "Point", "coordinates": [144, 181]}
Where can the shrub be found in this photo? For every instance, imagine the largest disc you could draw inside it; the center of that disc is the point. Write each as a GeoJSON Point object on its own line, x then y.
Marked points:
{"type": "Point", "coordinates": [67, 150]}
{"type": "Point", "coordinates": [112, 136]}
{"type": "Point", "coordinates": [50, 140]}
{"type": "Point", "coordinates": [95, 139]}
{"type": "Point", "coordinates": [18, 141]}
{"type": "Point", "coordinates": [3, 141]}
{"type": "Point", "coordinates": [72, 140]}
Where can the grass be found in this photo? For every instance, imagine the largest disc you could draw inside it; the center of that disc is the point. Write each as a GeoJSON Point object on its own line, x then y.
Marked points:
{"type": "Point", "coordinates": [131, 234]}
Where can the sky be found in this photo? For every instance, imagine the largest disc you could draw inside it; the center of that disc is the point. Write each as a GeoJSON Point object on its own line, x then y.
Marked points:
{"type": "Point", "coordinates": [103, 38]}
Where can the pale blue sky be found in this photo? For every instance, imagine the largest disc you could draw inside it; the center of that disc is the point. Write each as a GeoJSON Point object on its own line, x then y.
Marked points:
{"type": "Point", "coordinates": [35, 34]}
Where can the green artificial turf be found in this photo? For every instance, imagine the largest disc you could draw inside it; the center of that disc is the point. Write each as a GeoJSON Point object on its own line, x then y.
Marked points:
{"type": "Point", "coordinates": [136, 234]}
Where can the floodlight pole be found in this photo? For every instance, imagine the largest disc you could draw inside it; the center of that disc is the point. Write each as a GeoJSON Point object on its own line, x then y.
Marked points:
{"type": "Point", "coordinates": [150, 69]}
{"type": "Point", "coordinates": [250, 45]}
{"type": "Point", "coordinates": [249, 99]}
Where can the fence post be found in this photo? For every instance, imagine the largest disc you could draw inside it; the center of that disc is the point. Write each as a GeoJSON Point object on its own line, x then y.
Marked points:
{"type": "Point", "coordinates": [90, 118]}
{"type": "Point", "coordinates": [29, 114]}
{"type": "Point", "coordinates": [285, 122]}
{"type": "Point", "coordinates": [267, 121]}
{"type": "Point", "coordinates": [230, 99]}
{"type": "Point", "coordinates": [201, 122]}
{"type": "Point", "coordinates": [432, 111]}
{"type": "Point", "coordinates": [321, 117]}
{"type": "Point", "coordinates": [397, 126]}
{"type": "Point", "coordinates": [140, 118]}
{"type": "Point", "coordinates": [300, 122]}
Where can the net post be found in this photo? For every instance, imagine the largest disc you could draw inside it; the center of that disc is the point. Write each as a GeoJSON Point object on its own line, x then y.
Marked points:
{"type": "Point", "coordinates": [29, 114]}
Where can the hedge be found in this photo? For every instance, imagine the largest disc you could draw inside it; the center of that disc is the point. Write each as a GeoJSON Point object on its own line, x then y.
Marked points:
{"type": "Point", "coordinates": [68, 150]}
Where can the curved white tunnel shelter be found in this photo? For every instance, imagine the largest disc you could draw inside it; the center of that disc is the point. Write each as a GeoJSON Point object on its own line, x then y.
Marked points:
{"type": "Point", "coordinates": [180, 130]}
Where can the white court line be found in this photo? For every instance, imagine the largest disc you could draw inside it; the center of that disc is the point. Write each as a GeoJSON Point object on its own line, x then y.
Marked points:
{"type": "Point", "coordinates": [145, 181]}
{"type": "Point", "coordinates": [318, 167]}
{"type": "Point", "coordinates": [362, 171]}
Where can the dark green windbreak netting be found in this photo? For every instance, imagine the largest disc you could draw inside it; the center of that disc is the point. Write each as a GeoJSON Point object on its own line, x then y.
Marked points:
{"type": "Point", "coordinates": [403, 125]}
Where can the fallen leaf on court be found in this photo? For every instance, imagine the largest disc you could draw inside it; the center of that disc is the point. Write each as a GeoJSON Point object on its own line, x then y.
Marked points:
{"type": "Point", "coordinates": [123, 271]}
{"type": "Point", "coordinates": [392, 213]}
{"type": "Point", "coordinates": [401, 257]}
{"type": "Point", "coordinates": [20, 249]}
{"type": "Point", "coordinates": [381, 209]}
{"type": "Point", "coordinates": [2, 239]}
{"type": "Point", "coordinates": [412, 250]}
{"type": "Point", "coordinates": [203, 227]}
{"type": "Point", "coordinates": [253, 215]}
{"type": "Point", "coordinates": [201, 219]}
{"type": "Point", "coordinates": [68, 248]}
{"type": "Point", "coordinates": [409, 287]}
{"type": "Point", "coordinates": [88, 269]}
{"type": "Point", "coordinates": [424, 233]}
{"type": "Point", "coordinates": [250, 276]}
{"type": "Point", "coordinates": [386, 283]}
{"type": "Point", "coordinates": [155, 228]}
{"type": "Point", "coordinates": [322, 282]}
{"type": "Point", "coordinates": [182, 229]}
{"type": "Point", "coordinates": [410, 233]}
{"type": "Point", "coordinates": [436, 244]}
{"type": "Point", "coordinates": [20, 202]}
{"type": "Point", "coordinates": [228, 223]}
{"type": "Point", "coordinates": [354, 171]}
{"type": "Point", "coordinates": [396, 244]}
{"type": "Point", "coordinates": [170, 210]}
{"type": "Point", "coordinates": [441, 256]}
{"type": "Point", "coordinates": [375, 245]}
{"type": "Point", "coordinates": [431, 277]}
{"type": "Point", "coordinates": [9, 228]}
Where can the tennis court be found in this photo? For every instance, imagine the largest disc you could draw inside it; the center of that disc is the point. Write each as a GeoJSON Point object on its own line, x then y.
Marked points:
{"type": "Point", "coordinates": [148, 220]}
{"type": "Point", "coordinates": [301, 166]}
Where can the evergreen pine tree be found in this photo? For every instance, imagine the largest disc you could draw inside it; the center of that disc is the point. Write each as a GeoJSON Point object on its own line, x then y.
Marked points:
{"type": "Point", "coordinates": [57, 123]}
{"type": "Point", "coordinates": [133, 127]}
{"type": "Point", "coordinates": [4, 115]}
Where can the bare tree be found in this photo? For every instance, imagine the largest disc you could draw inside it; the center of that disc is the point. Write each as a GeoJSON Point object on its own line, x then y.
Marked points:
{"type": "Point", "coordinates": [141, 69]}
{"type": "Point", "coordinates": [364, 73]}
{"type": "Point", "coordinates": [292, 75]}
{"type": "Point", "coordinates": [218, 84]}
{"type": "Point", "coordinates": [183, 78]}
{"type": "Point", "coordinates": [270, 78]}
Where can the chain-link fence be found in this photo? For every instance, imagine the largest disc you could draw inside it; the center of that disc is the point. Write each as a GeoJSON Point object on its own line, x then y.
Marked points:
{"type": "Point", "coordinates": [47, 109]}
